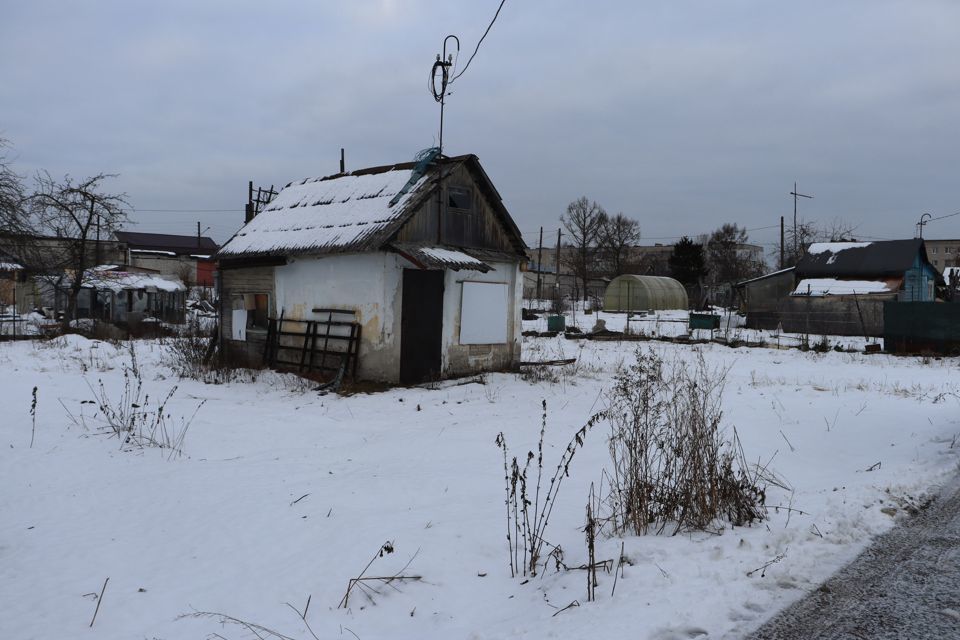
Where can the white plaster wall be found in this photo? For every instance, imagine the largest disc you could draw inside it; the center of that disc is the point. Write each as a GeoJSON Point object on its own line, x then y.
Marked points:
{"type": "Point", "coordinates": [368, 283]}
{"type": "Point", "coordinates": [479, 358]}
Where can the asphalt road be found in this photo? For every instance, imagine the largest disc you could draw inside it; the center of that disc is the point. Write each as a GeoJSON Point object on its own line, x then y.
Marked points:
{"type": "Point", "coordinates": [905, 585]}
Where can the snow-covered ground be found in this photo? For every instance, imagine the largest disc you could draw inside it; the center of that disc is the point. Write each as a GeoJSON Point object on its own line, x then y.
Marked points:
{"type": "Point", "coordinates": [284, 495]}
{"type": "Point", "coordinates": [672, 323]}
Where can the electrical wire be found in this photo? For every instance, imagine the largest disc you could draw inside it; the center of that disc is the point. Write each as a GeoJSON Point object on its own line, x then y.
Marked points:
{"type": "Point", "coordinates": [479, 42]}
{"type": "Point", "coordinates": [235, 210]}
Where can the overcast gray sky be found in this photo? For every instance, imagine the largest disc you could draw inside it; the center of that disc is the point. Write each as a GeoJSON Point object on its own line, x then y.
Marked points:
{"type": "Point", "coordinates": [682, 114]}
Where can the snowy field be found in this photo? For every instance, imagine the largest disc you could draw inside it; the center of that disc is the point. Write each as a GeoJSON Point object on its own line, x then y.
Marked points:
{"type": "Point", "coordinates": [673, 323]}
{"type": "Point", "coordinates": [283, 495]}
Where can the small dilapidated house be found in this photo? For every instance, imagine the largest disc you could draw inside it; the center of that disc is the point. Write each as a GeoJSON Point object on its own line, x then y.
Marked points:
{"type": "Point", "coordinates": [186, 257]}
{"type": "Point", "coordinates": [400, 273]}
{"type": "Point", "coordinates": [120, 295]}
{"type": "Point", "coordinates": [839, 288]}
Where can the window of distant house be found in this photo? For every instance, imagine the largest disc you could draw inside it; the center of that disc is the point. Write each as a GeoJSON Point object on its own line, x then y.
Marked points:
{"type": "Point", "coordinates": [460, 198]}
{"type": "Point", "coordinates": [934, 250]}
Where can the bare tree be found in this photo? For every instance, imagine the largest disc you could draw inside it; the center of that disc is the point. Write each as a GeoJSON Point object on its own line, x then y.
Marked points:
{"type": "Point", "coordinates": [583, 221]}
{"type": "Point", "coordinates": [807, 233]}
{"type": "Point", "coordinates": [13, 217]}
{"type": "Point", "coordinates": [78, 213]}
{"type": "Point", "coordinates": [617, 234]}
{"type": "Point", "coordinates": [725, 258]}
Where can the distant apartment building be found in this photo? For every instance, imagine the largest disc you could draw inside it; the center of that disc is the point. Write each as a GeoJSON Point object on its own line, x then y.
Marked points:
{"type": "Point", "coordinates": [943, 253]}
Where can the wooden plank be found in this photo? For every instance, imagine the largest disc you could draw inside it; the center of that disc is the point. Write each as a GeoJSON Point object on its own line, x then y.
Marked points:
{"type": "Point", "coordinates": [306, 343]}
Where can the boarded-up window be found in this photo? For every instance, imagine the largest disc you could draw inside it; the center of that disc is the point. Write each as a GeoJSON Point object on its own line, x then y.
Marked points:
{"type": "Point", "coordinates": [257, 316]}
{"type": "Point", "coordinates": [483, 313]}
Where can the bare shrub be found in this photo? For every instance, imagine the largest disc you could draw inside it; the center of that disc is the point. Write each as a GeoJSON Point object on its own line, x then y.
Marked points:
{"type": "Point", "coordinates": [132, 417]}
{"type": "Point", "coordinates": [672, 465]}
{"type": "Point", "coordinates": [190, 354]}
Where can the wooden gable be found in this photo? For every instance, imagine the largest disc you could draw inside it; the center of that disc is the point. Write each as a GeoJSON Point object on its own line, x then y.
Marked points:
{"type": "Point", "coordinates": [473, 215]}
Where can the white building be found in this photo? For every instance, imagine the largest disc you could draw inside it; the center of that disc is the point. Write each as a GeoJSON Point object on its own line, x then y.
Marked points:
{"type": "Point", "coordinates": [380, 270]}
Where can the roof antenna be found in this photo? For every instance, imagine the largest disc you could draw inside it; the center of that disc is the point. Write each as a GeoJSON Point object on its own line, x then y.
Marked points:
{"type": "Point", "coordinates": [343, 163]}
{"type": "Point", "coordinates": [442, 67]}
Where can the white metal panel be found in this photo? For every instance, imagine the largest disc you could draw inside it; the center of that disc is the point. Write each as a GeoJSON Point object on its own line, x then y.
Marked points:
{"type": "Point", "coordinates": [238, 322]}
{"type": "Point", "coordinates": [483, 313]}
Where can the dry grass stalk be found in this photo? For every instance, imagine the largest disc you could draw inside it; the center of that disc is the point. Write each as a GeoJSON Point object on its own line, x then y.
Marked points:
{"type": "Point", "coordinates": [99, 600]}
{"type": "Point", "coordinates": [33, 417]}
{"type": "Point", "coordinates": [527, 518]}
{"type": "Point", "coordinates": [132, 418]}
{"type": "Point", "coordinates": [361, 580]}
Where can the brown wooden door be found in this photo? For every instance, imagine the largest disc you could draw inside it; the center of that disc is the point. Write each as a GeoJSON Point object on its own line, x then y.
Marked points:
{"type": "Point", "coordinates": [421, 323]}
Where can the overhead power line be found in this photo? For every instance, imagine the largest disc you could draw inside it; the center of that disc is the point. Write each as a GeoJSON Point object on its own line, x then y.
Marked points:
{"type": "Point", "coordinates": [479, 42]}
{"type": "Point", "coordinates": [234, 210]}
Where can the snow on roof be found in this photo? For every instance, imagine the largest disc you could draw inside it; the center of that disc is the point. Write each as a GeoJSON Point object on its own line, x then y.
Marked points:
{"type": "Point", "coordinates": [10, 266]}
{"type": "Point", "coordinates": [335, 213]}
{"type": "Point", "coordinates": [861, 260]}
{"type": "Point", "coordinates": [766, 275]}
{"type": "Point", "coordinates": [105, 278]}
{"type": "Point", "coordinates": [837, 287]}
{"type": "Point", "coordinates": [153, 252]}
{"type": "Point", "coordinates": [835, 247]}
{"type": "Point", "coordinates": [442, 257]}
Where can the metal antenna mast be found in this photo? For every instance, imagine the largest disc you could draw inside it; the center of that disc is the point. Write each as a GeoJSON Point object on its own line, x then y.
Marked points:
{"type": "Point", "coordinates": [442, 68]}
{"type": "Point", "coordinates": [795, 196]}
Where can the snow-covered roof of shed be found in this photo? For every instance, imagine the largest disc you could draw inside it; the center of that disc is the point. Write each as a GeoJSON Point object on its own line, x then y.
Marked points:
{"type": "Point", "coordinates": [335, 213]}
{"type": "Point", "coordinates": [357, 211]}
{"type": "Point", "coordinates": [109, 278]}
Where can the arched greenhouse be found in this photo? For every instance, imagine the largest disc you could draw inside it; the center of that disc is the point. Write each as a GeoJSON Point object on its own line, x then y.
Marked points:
{"type": "Point", "coordinates": [644, 293]}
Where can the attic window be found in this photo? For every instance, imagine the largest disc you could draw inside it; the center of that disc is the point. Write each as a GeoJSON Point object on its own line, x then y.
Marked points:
{"type": "Point", "coordinates": [460, 198]}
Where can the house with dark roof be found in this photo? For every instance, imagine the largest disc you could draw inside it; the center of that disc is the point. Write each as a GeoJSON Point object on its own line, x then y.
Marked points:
{"type": "Point", "coordinates": [398, 273]}
{"type": "Point", "coordinates": [892, 269]}
{"type": "Point", "coordinates": [187, 257]}
{"type": "Point", "coordinates": [839, 288]}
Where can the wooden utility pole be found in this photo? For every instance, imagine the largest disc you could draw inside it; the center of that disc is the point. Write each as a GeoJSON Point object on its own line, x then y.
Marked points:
{"type": "Point", "coordinates": [795, 196]}
{"type": "Point", "coordinates": [557, 265]}
{"type": "Point", "coordinates": [248, 214]}
{"type": "Point", "coordinates": [539, 265]}
{"type": "Point", "coordinates": [782, 261]}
